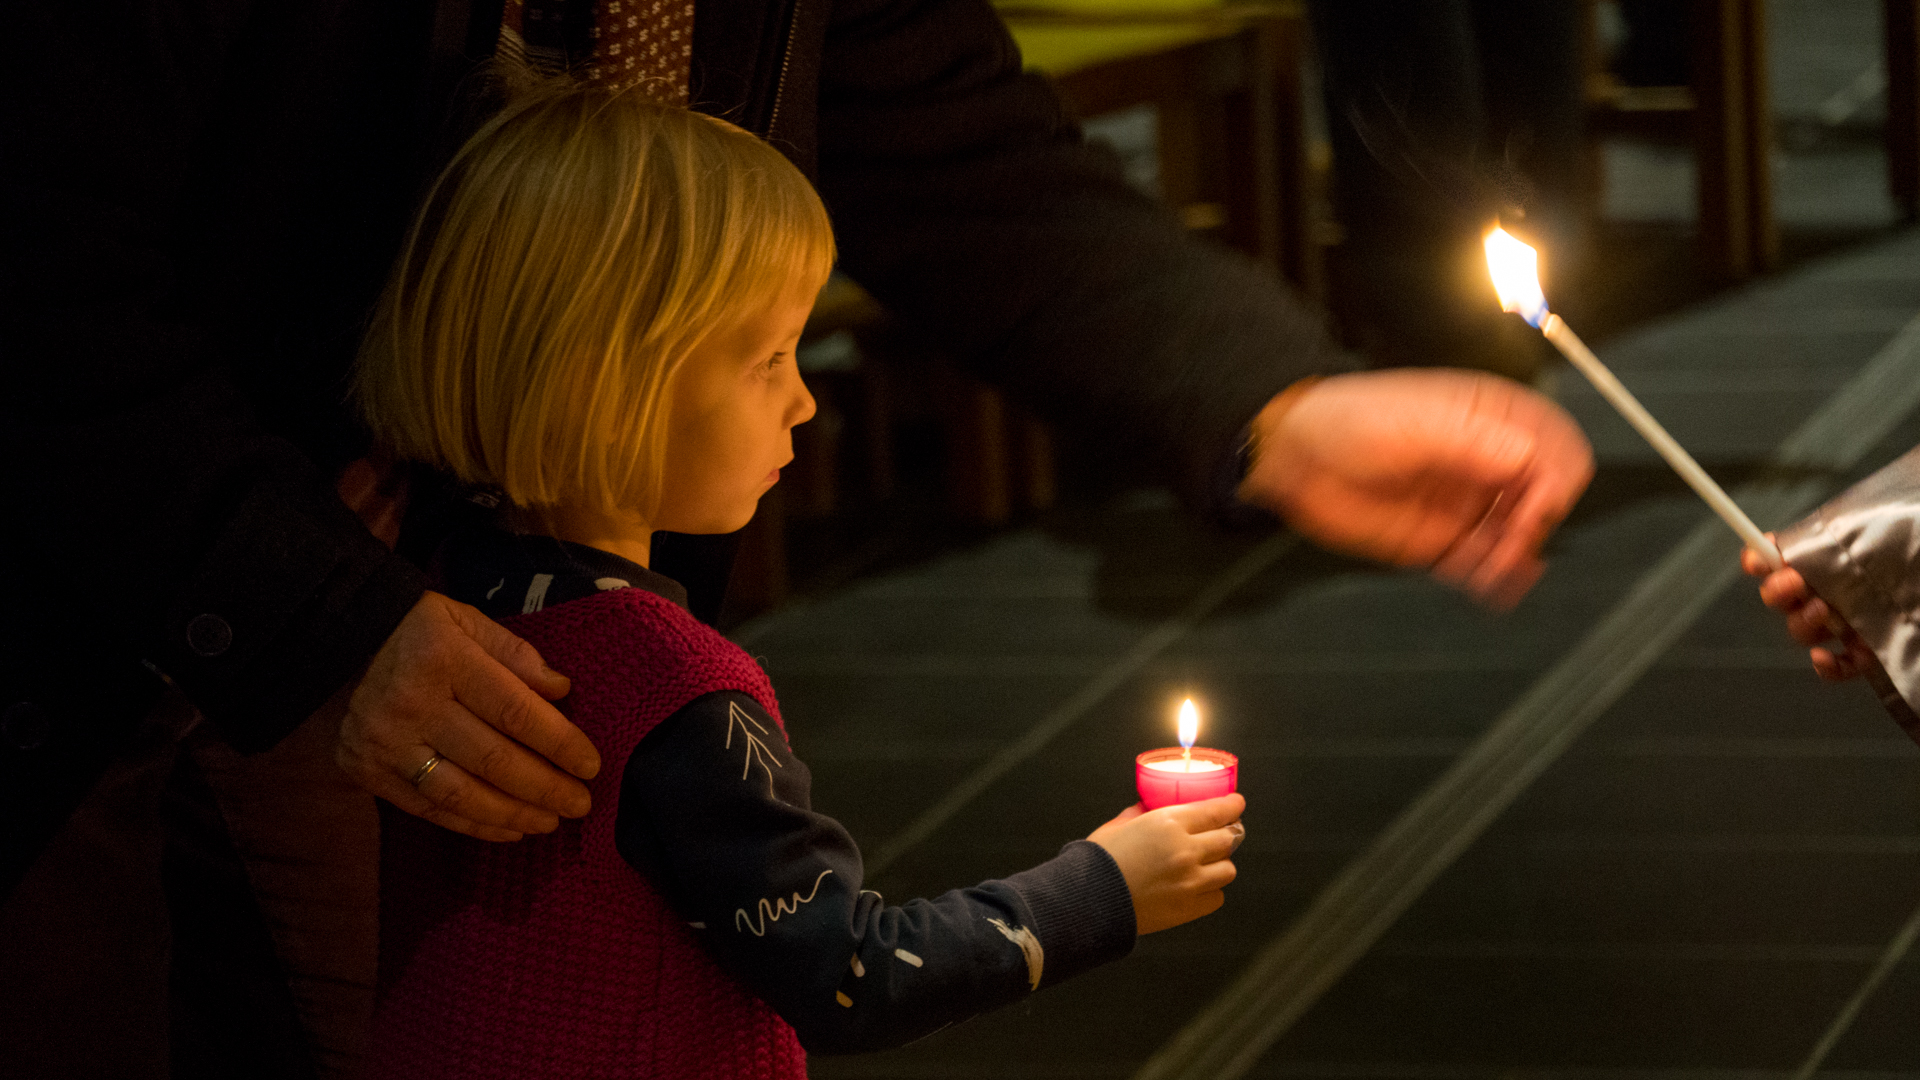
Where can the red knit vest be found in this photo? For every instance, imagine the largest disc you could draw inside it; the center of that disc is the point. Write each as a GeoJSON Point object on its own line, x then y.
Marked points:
{"type": "Point", "coordinates": [552, 957]}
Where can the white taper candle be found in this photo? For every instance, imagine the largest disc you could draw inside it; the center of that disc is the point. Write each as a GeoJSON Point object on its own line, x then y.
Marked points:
{"type": "Point", "coordinates": [1603, 380]}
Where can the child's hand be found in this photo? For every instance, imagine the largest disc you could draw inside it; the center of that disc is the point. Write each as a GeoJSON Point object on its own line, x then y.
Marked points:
{"type": "Point", "coordinates": [1809, 619]}
{"type": "Point", "coordinates": [1175, 859]}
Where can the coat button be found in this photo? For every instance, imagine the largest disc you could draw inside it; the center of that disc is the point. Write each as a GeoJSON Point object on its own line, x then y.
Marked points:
{"type": "Point", "coordinates": [209, 635]}
{"type": "Point", "coordinates": [25, 725]}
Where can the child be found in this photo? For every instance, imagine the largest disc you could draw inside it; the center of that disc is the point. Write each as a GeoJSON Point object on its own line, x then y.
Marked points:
{"type": "Point", "coordinates": [594, 319]}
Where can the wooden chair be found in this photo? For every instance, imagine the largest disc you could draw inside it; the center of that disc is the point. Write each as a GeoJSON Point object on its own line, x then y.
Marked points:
{"type": "Point", "coordinates": [1731, 122]}
{"type": "Point", "coordinates": [1225, 82]}
{"type": "Point", "coordinates": [1733, 137]}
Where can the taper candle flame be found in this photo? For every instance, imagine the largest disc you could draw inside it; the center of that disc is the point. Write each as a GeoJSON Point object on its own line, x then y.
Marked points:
{"type": "Point", "coordinates": [1516, 276]}
{"type": "Point", "coordinates": [1515, 268]}
{"type": "Point", "coordinates": [1189, 724]}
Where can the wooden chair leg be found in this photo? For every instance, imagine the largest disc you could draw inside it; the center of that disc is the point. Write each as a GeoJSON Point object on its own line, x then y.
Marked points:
{"type": "Point", "coordinates": [979, 477]}
{"type": "Point", "coordinates": [876, 388]}
{"type": "Point", "coordinates": [1266, 153]}
{"type": "Point", "coordinates": [1038, 484]}
{"type": "Point", "coordinates": [1285, 39]}
{"type": "Point", "coordinates": [1181, 143]}
{"type": "Point", "coordinates": [1249, 139]}
{"type": "Point", "coordinates": [1733, 137]}
{"type": "Point", "coordinates": [1762, 227]}
{"type": "Point", "coordinates": [1902, 23]}
{"type": "Point", "coordinates": [1000, 458]}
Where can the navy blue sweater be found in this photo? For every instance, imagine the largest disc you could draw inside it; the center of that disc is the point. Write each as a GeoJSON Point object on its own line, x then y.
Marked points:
{"type": "Point", "coordinates": [716, 786]}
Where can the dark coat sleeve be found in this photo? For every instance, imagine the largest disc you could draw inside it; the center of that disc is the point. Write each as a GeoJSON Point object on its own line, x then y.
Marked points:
{"type": "Point", "coordinates": [167, 201]}
{"type": "Point", "coordinates": [966, 201]}
{"type": "Point", "coordinates": [716, 811]}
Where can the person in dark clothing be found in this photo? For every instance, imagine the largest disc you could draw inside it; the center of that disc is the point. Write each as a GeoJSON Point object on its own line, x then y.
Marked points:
{"type": "Point", "coordinates": [595, 320]}
{"type": "Point", "coordinates": [202, 202]}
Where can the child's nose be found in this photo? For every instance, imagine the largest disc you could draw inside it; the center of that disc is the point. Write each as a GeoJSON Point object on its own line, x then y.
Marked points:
{"type": "Point", "coordinates": [803, 407]}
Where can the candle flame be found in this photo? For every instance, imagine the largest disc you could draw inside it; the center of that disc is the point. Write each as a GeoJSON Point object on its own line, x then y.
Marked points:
{"type": "Point", "coordinates": [1189, 723]}
{"type": "Point", "coordinates": [1516, 276]}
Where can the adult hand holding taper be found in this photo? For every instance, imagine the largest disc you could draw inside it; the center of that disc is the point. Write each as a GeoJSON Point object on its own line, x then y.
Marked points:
{"type": "Point", "coordinates": [453, 684]}
{"type": "Point", "coordinates": [1460, 471]}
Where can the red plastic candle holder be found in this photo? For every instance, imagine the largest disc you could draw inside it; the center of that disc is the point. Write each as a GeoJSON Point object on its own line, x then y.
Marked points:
{"type": "Point", "coordinates": [1159, 787]}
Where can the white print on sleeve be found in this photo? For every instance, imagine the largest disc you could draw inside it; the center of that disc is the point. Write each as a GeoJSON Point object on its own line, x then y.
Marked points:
{"type": "Point", "coordinates": [756, 750]}
{"type": "Point", "coordinates": [859, 972]}
{"type": "Point", "coordinates": [536, 594]}
{"type": "Point", "coordinates": [1029, 947]}
{"type": "Point", "coordinates": [771, 910]}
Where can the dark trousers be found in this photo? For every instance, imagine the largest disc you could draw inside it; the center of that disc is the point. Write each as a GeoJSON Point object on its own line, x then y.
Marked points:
{"type": "Point", "coordinates": [201, 915]}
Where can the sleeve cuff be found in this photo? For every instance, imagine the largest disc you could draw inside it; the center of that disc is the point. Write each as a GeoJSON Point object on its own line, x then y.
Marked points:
{"type": "Point", "coordinates": [1223, 500]}
{"type": "Point", "coordinates": [1081, 910]}
{"type": "Point", "coordinates": [292, 602]}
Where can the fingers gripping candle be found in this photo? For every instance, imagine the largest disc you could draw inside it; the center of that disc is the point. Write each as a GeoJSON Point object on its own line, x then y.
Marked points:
{"type": "Point", "coordinates": [1185, 773]}
{"type": "Point", "coordinates": [1516, 277]}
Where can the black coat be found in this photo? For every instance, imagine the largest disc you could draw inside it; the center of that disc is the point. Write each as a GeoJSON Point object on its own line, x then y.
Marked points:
{"type": "Point", "coordinates": [202, 201]}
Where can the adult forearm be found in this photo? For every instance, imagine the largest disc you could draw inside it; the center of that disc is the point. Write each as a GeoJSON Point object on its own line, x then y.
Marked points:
{"type": "Point", "coordinates": [1097, 310]}
{"type": "Point", "coordinates": [965, 199]}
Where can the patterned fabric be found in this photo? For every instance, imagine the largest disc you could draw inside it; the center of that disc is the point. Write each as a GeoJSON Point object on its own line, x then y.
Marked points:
{"type": "Point", "coordinates": [507, 574]}
{"type": "Point", "coordinates": [551, 957]}
{"type": "Point", "coordinates": [639, 43]}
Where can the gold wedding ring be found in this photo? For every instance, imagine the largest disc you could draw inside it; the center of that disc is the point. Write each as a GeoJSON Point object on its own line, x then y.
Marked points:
{"type": "Point", "coordinates": [425, 769]}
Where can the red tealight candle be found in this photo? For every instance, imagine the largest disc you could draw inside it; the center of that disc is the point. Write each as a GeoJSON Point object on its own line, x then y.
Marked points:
{"type": "Point", "coordinates": [1185, 773]}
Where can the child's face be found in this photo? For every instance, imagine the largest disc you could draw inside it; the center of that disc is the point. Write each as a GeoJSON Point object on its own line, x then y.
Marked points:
{"type": "Point", "coordinates": [735, 402]}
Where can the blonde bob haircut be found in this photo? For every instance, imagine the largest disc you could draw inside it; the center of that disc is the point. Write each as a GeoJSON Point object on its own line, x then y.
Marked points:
{"type": "Point", "coordinates": [561, 269]}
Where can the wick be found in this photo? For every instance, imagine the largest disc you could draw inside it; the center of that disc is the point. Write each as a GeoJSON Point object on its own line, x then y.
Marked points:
{"type": "Point", "coordinates": [1186, 753]}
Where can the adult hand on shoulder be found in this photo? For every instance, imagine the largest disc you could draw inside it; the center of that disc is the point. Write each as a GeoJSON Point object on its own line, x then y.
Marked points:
{"type": "Point", "coordinates": [453, 684]}
{"type": "Point", "coordinates": [1460, 471]}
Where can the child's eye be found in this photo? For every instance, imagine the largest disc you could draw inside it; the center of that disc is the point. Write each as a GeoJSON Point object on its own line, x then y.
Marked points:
{"type": "Point", "coordinates": [773, 363]}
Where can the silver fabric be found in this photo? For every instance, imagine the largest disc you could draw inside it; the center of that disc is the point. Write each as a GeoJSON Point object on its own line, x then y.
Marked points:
{"type": "Point", "coordinates": [1861, 554]}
